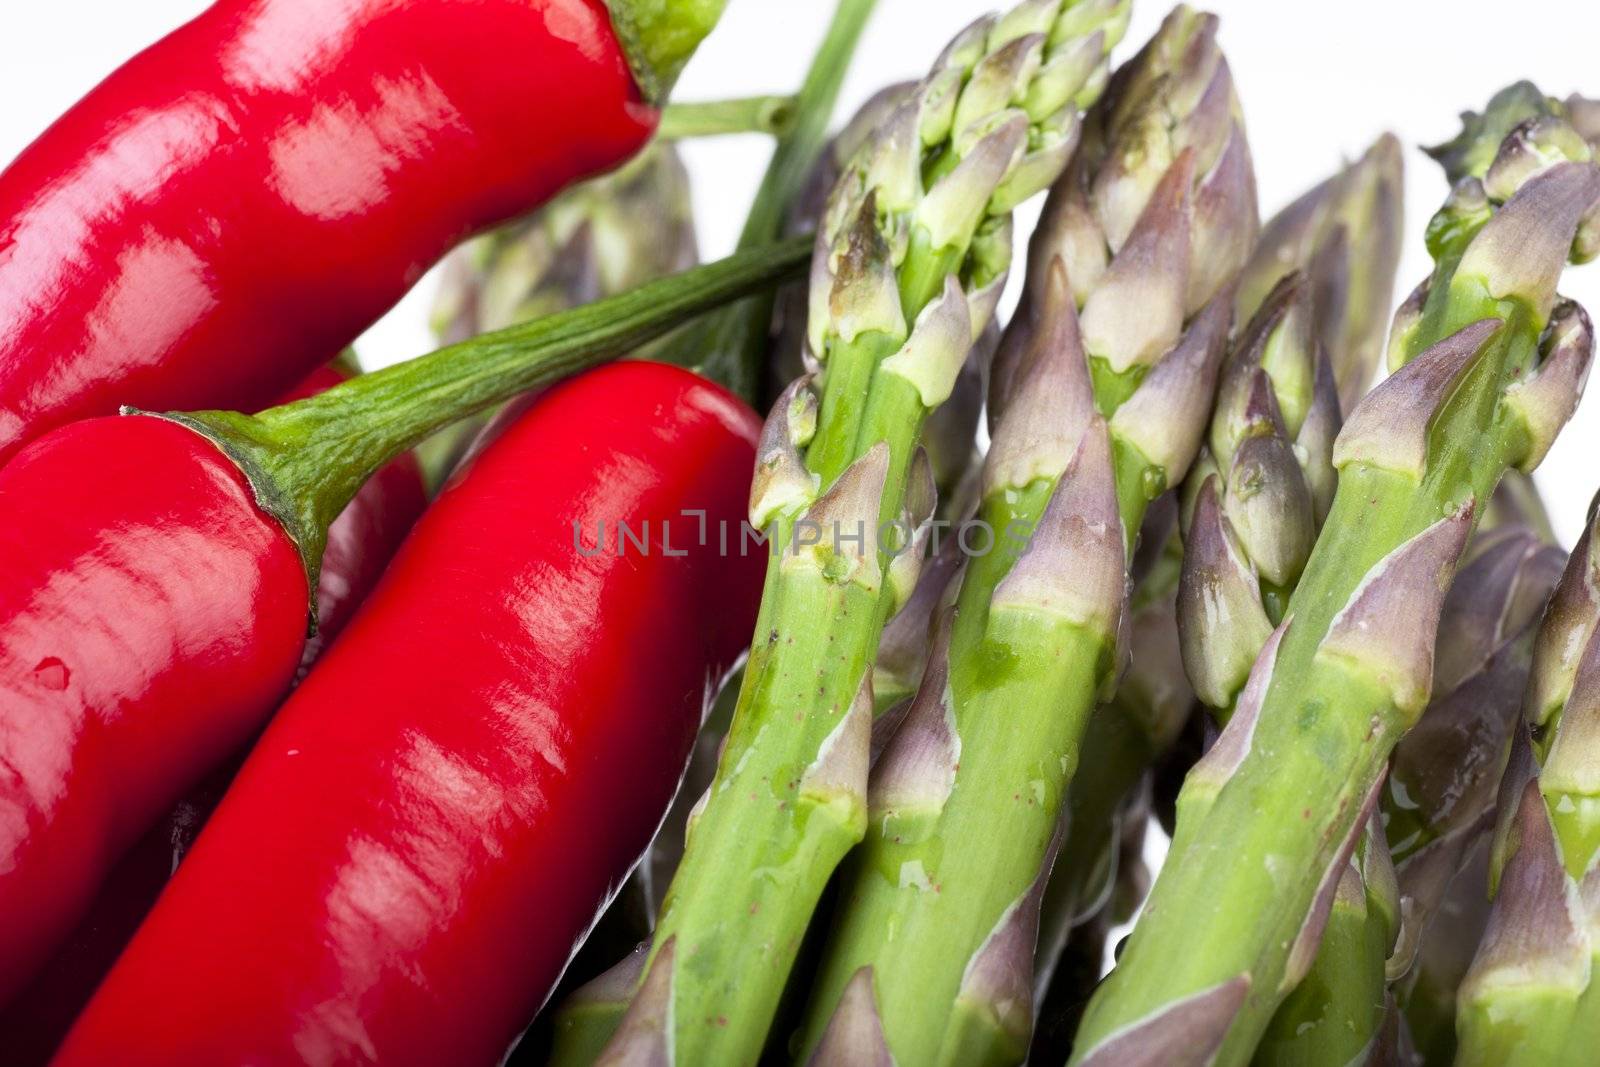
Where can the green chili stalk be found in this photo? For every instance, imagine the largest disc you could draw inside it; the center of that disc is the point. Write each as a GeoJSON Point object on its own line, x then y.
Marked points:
{"type": "Point", "coordinates": [913, 251]}
{"type": "Point", "coordinates": [598, 239]}
{"type": "Point", "coordinates": [773, 115]}
{"type": "Point", "coordinates": [1094, 413]}
{"type": "Point", "coordinates": [1530, 996]}
{"type": "Point", "coordinates": [1488, 367]}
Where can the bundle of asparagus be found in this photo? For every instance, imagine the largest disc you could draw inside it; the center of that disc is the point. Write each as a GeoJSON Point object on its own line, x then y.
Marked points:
{"type": "Point", "coordinates": [914, 248]}
{"type": "Point", "coordinates": [1488, 366]}
{"type": "Point", "coordinates": [1093, 414]}
{"type": "Point", "coordinates": [1186, 501]}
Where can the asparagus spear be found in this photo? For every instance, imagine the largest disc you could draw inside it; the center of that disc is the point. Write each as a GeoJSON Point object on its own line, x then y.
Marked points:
{"type": "Point", "coordinates": [1264, 483]}
{"type": "Point", "coordinates": [1090, 423]}
{"type": "Point", "coordinates": [913, 251]}
{"type": "Point", "coordinates": [1345, 234]}
{"type": "Point", "coordinates": [1488, 368]}
{"type": "Point", "coordinates": [1326, 306]}
{"type": "Point", "coordinates": [1530, 995]}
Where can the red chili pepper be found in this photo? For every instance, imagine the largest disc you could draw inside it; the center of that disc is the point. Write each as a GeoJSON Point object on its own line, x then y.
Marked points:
{"type": "Point", "coordinates": [250, 193]}
{"type": "Point", "coordinates": [429, 827]}
{"type": "Point", "coordinates": [360, 544]}
{"type": "Point", "coordinates": [153, 602]}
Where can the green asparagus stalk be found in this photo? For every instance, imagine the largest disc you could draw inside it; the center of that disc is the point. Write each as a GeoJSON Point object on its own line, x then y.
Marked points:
{"type": "Point", "coordinates": [1318, 320]}
{"type": "Point", "coordinates": [1487, 370]}
{"type": "Point", "coordinates": [914, 248]}
{"type": "Point", "coordinates": [1124, 738]}
{"type": "Point", "coordinates": [1094, 413]}
{"type": "Point", "coordinates": [726, 344]}
{"type": "Point", "coordinates": [1530, 995]}
{"type": "Point", "coordinates": [1437, 805]}
{"type": "Point", "coordinates": [682, 120]}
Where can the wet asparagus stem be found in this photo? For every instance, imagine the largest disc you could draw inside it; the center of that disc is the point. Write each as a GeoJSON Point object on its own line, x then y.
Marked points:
{"type": "Point", "coordinates": [939, 909]}
{"type": "Point", "coordinates": [598, 239]}
{"type": "Point", "coordinates": [722, 345]}
{"type": "Point", "coordinates": [1437, 805]}
{"type": "Point", "coordinates": [1124, 738]}
{"type": "Point", "coordinates": [914, 248]}
{"type": "Point", "coordinates": [1488, 368]}
{"type": "Point", "coordinates": [1314, 331]}
{"type": "Point", "coordinates": [1530, 996]}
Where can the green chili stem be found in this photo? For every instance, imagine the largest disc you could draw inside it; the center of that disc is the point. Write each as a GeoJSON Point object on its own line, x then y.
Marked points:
{"type": "Point", "coordinates": [771, 115]}
{"type": "Point", "coordinates": [307, 460]}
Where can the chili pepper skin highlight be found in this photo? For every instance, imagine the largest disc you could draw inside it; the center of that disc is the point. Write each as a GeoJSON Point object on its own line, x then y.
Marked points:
{"type": "Point", "coordinates": [430, 825]}
{"type": "Point", "coordinates": [251, 192]}
{"type": "Point", "coordinates": [153, 605]}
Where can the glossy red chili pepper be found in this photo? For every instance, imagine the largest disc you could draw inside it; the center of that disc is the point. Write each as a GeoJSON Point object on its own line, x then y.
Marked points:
{"type": "Point", "coordinates": [250, 193]}
{"type": "Point", "coordinates": [141, 634]}
{"type": "Point", "coordinates": [360, 544]}
{"type": "Point", "coordinates": [152, 613]}
{"type": "Point", "coordinates": [429, 827]}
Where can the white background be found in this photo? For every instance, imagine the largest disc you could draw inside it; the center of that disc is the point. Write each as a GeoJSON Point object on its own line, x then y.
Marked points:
{"type": "Point", "coordinates": [1319, 81]}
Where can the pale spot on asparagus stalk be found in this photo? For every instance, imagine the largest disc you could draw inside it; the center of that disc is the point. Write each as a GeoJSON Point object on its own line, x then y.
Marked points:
{"type": "Point", "coordinates": [1389, 628]}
